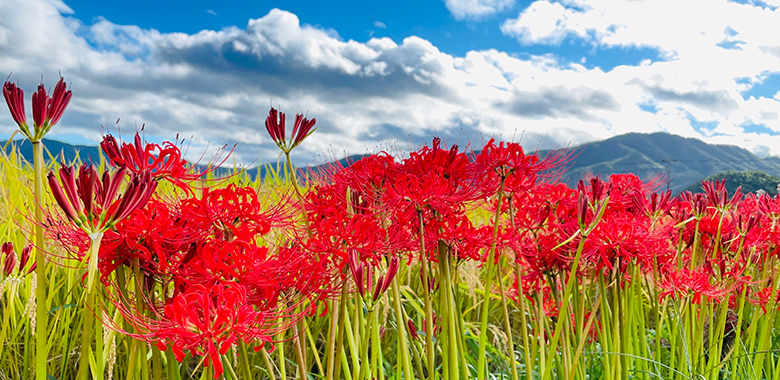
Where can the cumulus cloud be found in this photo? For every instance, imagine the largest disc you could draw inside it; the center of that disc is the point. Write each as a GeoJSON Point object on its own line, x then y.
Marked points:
{"type": "Point", "coordinates": [476, 9]}
{"type": "Point", "coordinates": [217, 85]}
{"type": "Point", "coordinates": [380, 24]}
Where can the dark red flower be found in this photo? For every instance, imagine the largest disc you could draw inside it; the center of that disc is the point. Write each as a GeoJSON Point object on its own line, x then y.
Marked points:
{"type": "Point", "coordinates": [14, 98]}
{"type": "Point", "coordinates": [274, 124]}
{"type": "Point", "coordinates": [91, 203]}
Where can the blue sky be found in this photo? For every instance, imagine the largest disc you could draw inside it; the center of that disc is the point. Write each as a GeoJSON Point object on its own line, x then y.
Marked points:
{"type": "Point", "coordinates": [379, 74]}
{"type": "Point", "coordinates": [364, 20]}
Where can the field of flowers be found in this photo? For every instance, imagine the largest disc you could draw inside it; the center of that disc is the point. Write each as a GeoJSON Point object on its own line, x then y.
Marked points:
{"type": "Point", "coordinates": [442, 264]}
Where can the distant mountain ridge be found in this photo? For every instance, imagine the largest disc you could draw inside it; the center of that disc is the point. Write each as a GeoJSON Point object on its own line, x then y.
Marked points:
{"type": "Point", "coordinates": [689, 160]}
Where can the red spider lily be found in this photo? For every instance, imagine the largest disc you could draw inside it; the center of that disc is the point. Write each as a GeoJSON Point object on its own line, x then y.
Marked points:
{"type": "Point", "coordinates": [158, 161]}
{"type": "Point", "coordinates": [412, 329]}
{"type": "Point", "coordinates": [363, 276]}
{"type": "Point", "coordinates": [47, 110]}
{"type": "Point", "coordinates": [718, 195]}
{"type": "Point", "coordinates": [14, 98]}
{"type": "Point", "coordinates": [520, 171]}
{"type": "Point", "coordinates": [204, 321]}
{"type": "Point", "coordinates": [10, 263]}
{"type": "Point", "coordinates": [91, 203]}
{"type": "Point", "coordinates": [24, 258]}
{"type": "Point", "coordinates": [620, 238]}
{"type": "Point", "coordinates": [335, 229]}
{"type": "Point", "coordinates": [10, 258]}
{"type": "Point", "coordinates": [274, 124]}
{"type": "Point", "coordinates": [367, 177]}
{"type": "Point", "coordinates": [233, 211]}
{"type": "Point", "coordinates": [623, 188]}
{"type": "Point", "coordinates": [683, 282]}
{"type": "Point", "coordinates": [152, 234]}
{"type": "Point", "coordinates": [660, 204]}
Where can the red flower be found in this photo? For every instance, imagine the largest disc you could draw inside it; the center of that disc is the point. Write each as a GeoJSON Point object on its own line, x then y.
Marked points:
{"type": "Point", "coordinates": [158, 161]}
{"type": "Point", "coordinates": [91, 203]}
{"type": "Point", "coordinates": [9, 264]}
{"type": "Point", "coordinates": [14, 98]}
{"type": "Point", "coordinates": [47, 111]}
{"type": "Point", "coordinates": [274, 124]}
{"type": "Point", "coordinates": [204, 321]}
{"type": "Point", "coordinates": [683, 282]}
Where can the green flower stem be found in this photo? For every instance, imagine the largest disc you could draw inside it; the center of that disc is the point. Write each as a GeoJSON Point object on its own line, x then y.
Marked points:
{"type": "Point", "coordinates": [403, 349]}
{"type": "Point", "coordinates": [345, 365]}
{"type": "Point", "coordinates": [523, 324]}
{"type": "Point", "coordinates": [353, 349]}
{"type": "Point", "coordinates": [450, 309]}
{"type": "Point", "coordinates": [282, 360]}
{"type": "Point", "coordinates": [376, 349]}
{"type": "Point", "coordinates": [291, 171]}
{"type": "Point", "coordinates": [89, 319]}
{"type": "Point", "coordinates": [365, 341]}
{"type": "Point", "coordinates": [341, 328]}
{"type": "Point", "coordinates": [333, 326]}
{"type": "Point", "coordinates": [173, 366]}
{"type": "Point", "coordinates": [429, 353]}
{"type": "Point", "coordinates": [315, 352]}
{"type": "Point", "coordinates": [268, 364]}
{"type": "Point", "coordinates": [563, 309]}
{"type": "Point", "coordinates": [41, 309]}
{"type": "Point", "coordinates": [481, 363]}
{"type": "Point", "coordinates": [508, 328]}
{"type": "Point", "coordinates": [156, 363]}
{"type": "Point", "coordinates": [299, 351]}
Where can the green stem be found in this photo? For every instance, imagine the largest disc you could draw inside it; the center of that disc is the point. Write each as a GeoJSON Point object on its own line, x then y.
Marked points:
{"type": "Point", "coordinates": [508, 328]}
{"type": "Point", "coordinates": [291, 170]}
{"type": "Point", "coordinates": [41, 310]}
{"type": "Point", "coordinates": [333, 325]}
{"type": "Point", "coordinates": [280, 349]}
{"type": "Point", "coordinates": [563, 310]}
{"type": "Point", "coordinates": [427, 299]}
{"type": "Point", "coordinates": [89, 318]}
{"type": "Point", "coordinates": [299, 349]}
{"type": "Point", "coordinates": [245, 368]}
{"type": "Point", "coordinates": [481, 364]}
{"type": "Point", "coordinates": [403, 349]}
{"type": "Point", "coordinates": [268, 364]}
{"type": "Point", "coordinates": [452, 333]}
{"type": "Point", "coordinates": [523, 322]}
{"type": "Point", "coordinates": [341, 329]}
{"type": "Point", "coordinates": [173, 370]}
{"type": "Point", "coordinates": [365, 340]}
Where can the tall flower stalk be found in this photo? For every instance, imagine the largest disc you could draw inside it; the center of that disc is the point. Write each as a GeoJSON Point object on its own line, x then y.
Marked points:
{"type": "Point", "coordinates": [47, 111]}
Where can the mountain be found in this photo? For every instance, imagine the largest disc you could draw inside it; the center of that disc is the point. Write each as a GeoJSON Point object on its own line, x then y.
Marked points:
{"type": "Point", "coordinates": [688, 160]}
{"type": "Point", "coordinates": [649, 156]}
{"type": "Point", "coordinates": [751, 181]}
{"type": "Point", "coordinates": [55, 148]}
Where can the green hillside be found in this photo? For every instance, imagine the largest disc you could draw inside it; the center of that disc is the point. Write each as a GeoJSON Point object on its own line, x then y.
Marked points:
{"type": "Point", "coordinates": [751, 181]}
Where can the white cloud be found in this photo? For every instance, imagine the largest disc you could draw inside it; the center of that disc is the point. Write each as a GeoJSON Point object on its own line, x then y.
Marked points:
{"type": "Point", "coordinates": [217, 85]}
{"type": "Point", "coordinates": [380, 24]}
{"type": "Point", "coordinates": [211, 12]}
{"type": "Point", "coordinates": [476, 9]}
